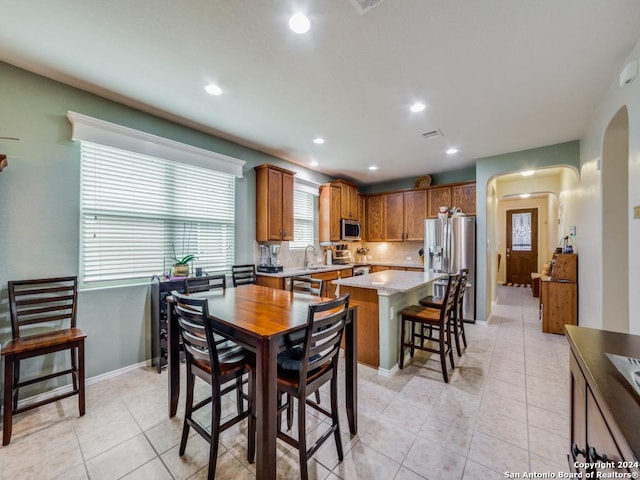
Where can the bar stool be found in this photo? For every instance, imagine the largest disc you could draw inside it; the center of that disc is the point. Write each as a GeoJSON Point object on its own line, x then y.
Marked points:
{"type": "Point", "coordinates": [435, 320]}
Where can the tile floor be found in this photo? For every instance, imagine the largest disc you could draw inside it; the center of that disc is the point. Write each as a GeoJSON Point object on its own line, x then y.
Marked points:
{"type": "Point", "coordinates": [505, 410]}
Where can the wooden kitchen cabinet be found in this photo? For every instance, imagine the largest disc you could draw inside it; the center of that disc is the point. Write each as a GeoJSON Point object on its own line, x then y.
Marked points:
{"type": "Point", "coordinates": [375, 218]}
{"type": "Point", "coordinates": [404, 214]}
{"type": "Point", "coordinates": [464, 197]}
{"type": "Point", "coordinates": [328, 287]}
{"type": "Point", "coordinates": [330, 211]}
{"type": "Point", "coordinates": [605, 420]}
{"type": "Point", "coordinates": [559, 295]}
{"type": "Point", "coordinates": [438, 197]}
{"type": "Point", "coordinates": [338, 199]}
{"type": "Point", "coordinates": [274, 203]}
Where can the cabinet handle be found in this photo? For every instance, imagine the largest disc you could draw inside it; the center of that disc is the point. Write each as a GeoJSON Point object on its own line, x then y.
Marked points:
{"type": "Point", "coordinates": [576, 451]}
{"type": "Point", "coordinates": [593, 456]}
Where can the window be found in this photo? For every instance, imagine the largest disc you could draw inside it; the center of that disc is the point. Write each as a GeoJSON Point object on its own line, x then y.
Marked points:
{"type": "Point", "coordinates": [137, 209]}
{"type": "Point", "coordinates": [304, 206]}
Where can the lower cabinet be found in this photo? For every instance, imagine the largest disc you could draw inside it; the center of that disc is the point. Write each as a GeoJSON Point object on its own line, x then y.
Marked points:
{"type": "Point", "coordinates": [604, 412]}
{"type": "Point", "coordinates": [558, 305]}
{"type": "Point", "coordinates": [160, 290]}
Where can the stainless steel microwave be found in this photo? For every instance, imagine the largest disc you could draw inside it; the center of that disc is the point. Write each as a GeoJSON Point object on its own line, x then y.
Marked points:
{"type": "Point", "coordinates": [349, 229]}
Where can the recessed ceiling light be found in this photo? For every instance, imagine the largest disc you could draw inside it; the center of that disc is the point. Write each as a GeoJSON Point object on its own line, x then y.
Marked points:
{"type": "Point", "coordinates": [213, 89]}
{"type": "Point", "coordinates": [318, 140]}
{"type": "Point", "coordinates": [525, 195]}
{"type": "Point", "coordinates": [299, 23]}
{"type": "Point", "coordinates": [452, 151]}
{"type": "Point", "coordinates": [373, 167]}
{"type": "Point", "coordinates": [417, 107]}
{"type": "Point", "coordinates": [527, 173]}
{"type": "Point", "coordinates": [313, 163]}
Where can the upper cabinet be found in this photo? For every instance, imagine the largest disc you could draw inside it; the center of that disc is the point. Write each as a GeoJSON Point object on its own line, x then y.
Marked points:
{"type": "Point", "coordinates": [274, 203]}
{"type": "Point", "coordinates": [338, 199]}
{"type": "Point", "coordinates": [462, 196]}
{"type": "Point", "coordinates": [404, 214]}
{"type": "Point", "coordinates": [375, 218]}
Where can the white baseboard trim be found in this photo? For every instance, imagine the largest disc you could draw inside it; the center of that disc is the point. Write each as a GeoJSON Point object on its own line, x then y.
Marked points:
{"type": "Point", "coordinates": [483, 322]}
{"type": "Point", "coordinates": [89, 381]}
{"type": "Point", "coordinates": [388, 373]}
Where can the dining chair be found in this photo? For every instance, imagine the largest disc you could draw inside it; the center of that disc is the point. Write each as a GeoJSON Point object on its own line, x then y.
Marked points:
{"type": "Point", "coordinates": [204, 284]}
{"type": "Point", "coordinates": [215, 365]}
{"type": "Point", "coordinates": [243, 274]}
{"type": "Point", "coordinates": [304, 370]}
{"type": "Point", "coordinates": [311, 286]}
{"type": "Point", "coordinates": [437, 319]}
{"type": "Point", "coordinates": [43, 321]}
{"type": "Point", "coordinates": [456, 322]}
{"type": "Point", "coordinates": [304, 284]}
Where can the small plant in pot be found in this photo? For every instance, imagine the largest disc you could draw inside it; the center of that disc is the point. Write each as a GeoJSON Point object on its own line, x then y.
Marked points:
{"type": "Point", "coordinates": [181, 266]}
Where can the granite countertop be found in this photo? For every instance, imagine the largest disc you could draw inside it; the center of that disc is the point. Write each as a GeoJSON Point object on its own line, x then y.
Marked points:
{"type": "Point", "coordinates": [391, 281]}
{"type": "Point", "coordinates": [293, 271]}
{"type": "Point", "coordinates": [398, 264]}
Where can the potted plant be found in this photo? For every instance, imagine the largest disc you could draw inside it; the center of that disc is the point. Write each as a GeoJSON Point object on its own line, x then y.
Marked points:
{"type": "Point", "coordinates": [181, 266]}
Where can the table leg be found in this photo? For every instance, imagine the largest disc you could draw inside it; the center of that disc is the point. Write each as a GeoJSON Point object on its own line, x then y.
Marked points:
{"type": "Point", "coordinates": [173, 360]}
{"type": "Point", "coordinates": [351, 371]}
{"type": "Point", "coordinates": [266, 409]}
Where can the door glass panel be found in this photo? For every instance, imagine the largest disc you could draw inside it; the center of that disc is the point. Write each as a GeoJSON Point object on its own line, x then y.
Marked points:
{"type": "Point", "coordinates": [521, 232]}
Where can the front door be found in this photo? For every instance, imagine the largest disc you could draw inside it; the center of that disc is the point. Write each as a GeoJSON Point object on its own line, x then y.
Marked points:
{"type": "Point", "coordinates": [522, 245]}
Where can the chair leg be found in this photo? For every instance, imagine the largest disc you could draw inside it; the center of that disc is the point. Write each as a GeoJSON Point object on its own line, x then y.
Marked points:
{"type": "Point", "coordinates": [402, 344]}
{"type": "Point", "coordinates": [318, 396]}
{"type": "Point", "coordinates": [74, 369]}
{"type": "Point", "coordinates": [302, 439]}
{"type": "Point", "coordinates": [16, 383]}
{"type": "Point", "coordinates": [450, 345]}
{"type": "Point", "coordinates": [188, 410]}
{"type": "Point", "coordinates": [8, 393]}
{"type": "Point", "coordinates": [239, 400]}
{"type": "Point", "coordinates": [215, 434]}
{"type": "Point", "coordinates": [461, 324]}
{"type": "Point", "coordinates": [334, 416]}
{"type": "Point", "coordinates": [81, 381]}
{"type": "Point", "coordinates": [454, 324]}
{"type": "Point", "coordinates": [251, 429]}
{"type": "Point", "coordinates": [443, 354]}
{"type": "Point", "coordinates": [290, 411]}
{"type": "Point", "coordinates": [413, 337]}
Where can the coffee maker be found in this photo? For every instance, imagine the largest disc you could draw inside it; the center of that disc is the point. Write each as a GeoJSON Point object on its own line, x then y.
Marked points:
{"type": "Point", "coordinates": [269, 262]}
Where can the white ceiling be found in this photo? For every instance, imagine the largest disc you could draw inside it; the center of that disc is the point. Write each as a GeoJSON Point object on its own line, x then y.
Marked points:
{"type": "Point", "coordinates": [497, 75]}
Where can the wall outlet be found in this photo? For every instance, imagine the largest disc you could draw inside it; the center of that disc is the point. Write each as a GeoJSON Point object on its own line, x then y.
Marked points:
{"type": "Point", "coordinates": [369, 257]}
{"type": "Point", "coordinates": [572, 230]}
{"type": "Point", "coordinates": [636, 212]}
{"type": "Point", "coordinates": [409, 259]}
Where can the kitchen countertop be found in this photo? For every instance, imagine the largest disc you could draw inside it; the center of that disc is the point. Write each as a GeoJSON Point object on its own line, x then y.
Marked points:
{"type": "Point", "coordinates": [293, 271]}
{"type": "Point", "coordinates": [398, 264]}
{"type": "Point", "coordinates": [390, 281]}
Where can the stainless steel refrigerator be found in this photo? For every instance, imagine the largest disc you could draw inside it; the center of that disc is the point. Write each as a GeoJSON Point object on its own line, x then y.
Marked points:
{"type": "Point", "coordinates": [449, 245]}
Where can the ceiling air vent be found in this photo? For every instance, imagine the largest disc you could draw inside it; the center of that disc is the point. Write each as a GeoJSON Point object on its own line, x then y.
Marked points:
{"type": "Point", "coordinates": [433, 133]}
{"type": "Point", "coordinates": [363, 6]}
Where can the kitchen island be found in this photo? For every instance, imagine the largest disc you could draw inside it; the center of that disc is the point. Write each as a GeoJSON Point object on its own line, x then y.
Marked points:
{"type": "Point", "coordinates": [380, 297]}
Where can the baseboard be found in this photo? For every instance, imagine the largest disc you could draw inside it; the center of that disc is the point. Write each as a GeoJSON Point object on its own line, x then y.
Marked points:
{"type": "Point", "coordinates": [89, 381]}
{"type": "Point", "coordinates": [388, 373]}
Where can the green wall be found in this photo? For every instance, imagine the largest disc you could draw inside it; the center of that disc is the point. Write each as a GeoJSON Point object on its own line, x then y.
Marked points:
{"type": "Point", "coordinates": [453, 176]}
{"type": "Point", "coordinates": [39, 208]}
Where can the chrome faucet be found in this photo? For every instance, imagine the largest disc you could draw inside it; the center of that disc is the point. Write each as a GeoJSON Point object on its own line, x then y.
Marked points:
{"type": "Point", "coordinates": [306, 250]}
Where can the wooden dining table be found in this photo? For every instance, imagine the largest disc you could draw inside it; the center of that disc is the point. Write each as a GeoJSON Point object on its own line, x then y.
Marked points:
{"type": "Point", "coordinates": [258, 318]}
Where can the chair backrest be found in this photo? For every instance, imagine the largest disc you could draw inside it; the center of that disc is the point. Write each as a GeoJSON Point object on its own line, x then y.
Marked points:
{"type": "Point", "coordinates": [196, 332]}
{"type": "Point", "coordinates": [312, 286]}
{"type": "Point", "coordinates": [325, 326]}
{"type": "Point", "coordinates": [42, 305]}
{"type": "Point", "coordinates": [449, 301]}
{"type": "Point", "coordinates": [243, 274]}
{"type": "Point", "coordinates": [204, 284]}
{"type": "Point", "coordinates": [464, 277]}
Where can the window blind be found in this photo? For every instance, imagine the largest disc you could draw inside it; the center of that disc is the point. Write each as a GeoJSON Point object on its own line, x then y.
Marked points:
{"type": "Point", "coordinates": [303, 219]}
{"type": "Point", "coordinates": [136, 210]}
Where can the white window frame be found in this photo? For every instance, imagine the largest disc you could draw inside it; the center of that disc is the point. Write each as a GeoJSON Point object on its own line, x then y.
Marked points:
{"type": "Point", "coordinates": [305, 214]}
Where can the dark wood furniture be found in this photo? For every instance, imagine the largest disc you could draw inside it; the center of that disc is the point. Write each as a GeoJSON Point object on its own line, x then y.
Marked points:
{"type": "Point", "coordinates": [559, 295]}
{"type": "Point", "coordinates": [204, 284]}
{"type": "Point", "coordinates": [456, 322]}
{"type": "Point", "coordinates": [311, 365]}
{"type": "Point", "coordinates": [43, 321]}
{"type": "Point", "coordinates": [605, 410]}
{"type": "Point", "coordinates": [274, 203]}
{"type": "Point", "coordinates": [216, 366]}
{"type": "Point", "coordinates": [436, 322]}
{"type": "Point", "coordinates": [258, 318]}
{"type": "Point", "coordinates": [160, 290]}
{"type": "Point", "coordinates": [302, 284]}
{"type": "Point", "coordinates": [243, 274]}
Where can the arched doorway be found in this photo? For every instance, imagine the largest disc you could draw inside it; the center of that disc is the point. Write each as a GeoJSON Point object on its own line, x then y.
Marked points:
{"type": "Point", "coordinates": [615, 224]}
